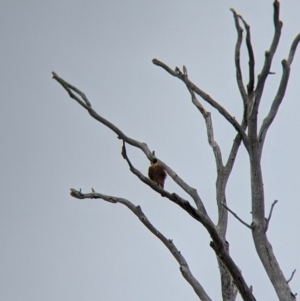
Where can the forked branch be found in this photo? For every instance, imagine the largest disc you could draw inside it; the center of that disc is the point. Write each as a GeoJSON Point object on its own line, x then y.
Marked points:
{"type": "Point", "coordinates": [175, 198]}
{"type": "Point", "coordinates": [286, 65]}
{"type": "Point", "coordinates": [236, 216]}
{"type": "Point", "coordinates": [177, 73]}
{"type": "Point", "coordinates": [268, 59]}
{"type": "Point", "coordinates": [250, 85]}
{"type": "Point", "coordinates": [237, 59]}
{"type": "Point", "coordinates": [270, 214]}
{"type": "Point", "coordinates": [169, 244]}
{"type": "Point", "coordinates": [83, 101]}
{"type": "Point", "coordinates": [209, 129]}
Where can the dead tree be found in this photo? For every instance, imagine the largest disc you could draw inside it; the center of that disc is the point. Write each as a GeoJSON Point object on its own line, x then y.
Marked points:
{"type": "Point", "coordinates": [248, 134]}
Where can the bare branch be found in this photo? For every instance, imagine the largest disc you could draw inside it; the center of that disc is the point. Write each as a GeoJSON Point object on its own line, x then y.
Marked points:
{"type": "Point", "coordinates": [209, 128]}
{"type": "Point", "coordinates": [250, 85]}
{"type": "Point", "coordinates": [275, 105]}
{"type": "Point", "coordinates": [293, 49]}
{"type": "Point", "coordinates": [293, 273]}
{"type": "Point", "coordinates": [141, 145]}
{"type": "Point", "coordinates": [218, 244]}
{"type": "Point", "coordinates": [229, 290]}
{"type": "Point", "coordinates": [286, 64]}
{"type": "Point", "coordinates": [70, 88]}
{"type": "Point", "coordinates": [137, 210]}
{"type": "Point", "coordinates": [270, 214]}
{"type": "Point", "coordinates": [268, 59]}
{"type": "Point", "coordinates": [184, 204]}
{"type": "Point", "coordinates": [204, 219]}
{"type": "Point", "coordinates": [237, 58]}
{"type": "Point", "coordinates": [237, 217]}
{"type": "Point", "coordinates": [177, 73]}
{"type": "Point", "coordinates": [86, 104]}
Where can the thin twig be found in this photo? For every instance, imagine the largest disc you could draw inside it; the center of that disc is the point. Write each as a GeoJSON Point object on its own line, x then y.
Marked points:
{"type": "Point", "coordinates": [237, 217]}
{"type": "Point", "coordinates": [293, 273]}
{"type": "Point", "coordinates": [290, 279]}
{"type": "Point", "coordinates": [270, 214]}
{"type": "Point", "coordinates": [137, 210]}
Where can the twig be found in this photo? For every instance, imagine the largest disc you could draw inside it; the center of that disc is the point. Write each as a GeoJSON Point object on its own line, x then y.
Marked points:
{"type": "Point", "coordinates": [270, 214]}
{"type": "Point", "coordinates": [293, 273]}
{"type": "Point", "coordinates": [236, 216]}
{"type": "Point", "coordinates": [137, 210]}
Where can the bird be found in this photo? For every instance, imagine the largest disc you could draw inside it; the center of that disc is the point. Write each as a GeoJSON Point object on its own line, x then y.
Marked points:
{"type": "Point", "coordinates": [156, 173]}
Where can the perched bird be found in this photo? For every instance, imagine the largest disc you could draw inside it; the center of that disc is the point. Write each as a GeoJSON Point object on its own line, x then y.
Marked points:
{"type": "Point", "coordinates": [156, 173]}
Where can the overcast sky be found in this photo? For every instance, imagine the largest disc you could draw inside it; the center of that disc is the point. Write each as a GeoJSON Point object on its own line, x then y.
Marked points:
{"type": "Point", "coordinates": [54, 247]}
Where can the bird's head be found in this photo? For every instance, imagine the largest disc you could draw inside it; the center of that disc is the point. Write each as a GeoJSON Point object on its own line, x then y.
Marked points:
{"type": "Point", "coordinates": [153, 161]}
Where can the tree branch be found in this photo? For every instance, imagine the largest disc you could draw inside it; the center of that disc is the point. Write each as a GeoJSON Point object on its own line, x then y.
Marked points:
{"type": "Point", "coordinates": [184, 204]}
{"type": "Point", "coordinates": [177, 73]}
{"type": "Point", "coordinates": [293, 49]}
{"type": "Point", "coordinates": [237, 57]}
{"type": "Point", "coordinates": [210, 131]}
{"type": "Point", "coordinates": [217, 244]}
{"type": "Point", "coordinates": [202, 217]}
{"type": "Point", "coordinates": [236, 216]}
{"type": "Point", "coordinates": [286, 64]}
{"type": "Point", "coordinates": [270, 214]}
{"type": "Point", "coordinates": [290, 279]}
{"type": "Point", "coordinates": [137, 210]}
{"type": "Point", "coordinates": [268, 59]}
{"type": "Point", "coordinates": [250, 85]}
{"type": "Point", "coordinates": [141, 145]}
{"type": "Point", "coordinates": [229, 290]}
{"type": "Point", "coordinates": [84, 102]}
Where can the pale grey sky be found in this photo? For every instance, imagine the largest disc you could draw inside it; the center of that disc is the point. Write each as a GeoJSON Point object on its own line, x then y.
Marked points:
{"type": "Point", "coordinates": [54, 247]}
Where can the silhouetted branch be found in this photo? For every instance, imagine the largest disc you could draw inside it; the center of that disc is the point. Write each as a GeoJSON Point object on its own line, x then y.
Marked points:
{"type": "Point", "coordinates": [236, 216]}
{"type": "Point", "coordinates": [270, 214]}
{"type": "Point", "coordinates": [290, 279]}
{"type": "Point", "coordinates": [137, 210]}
